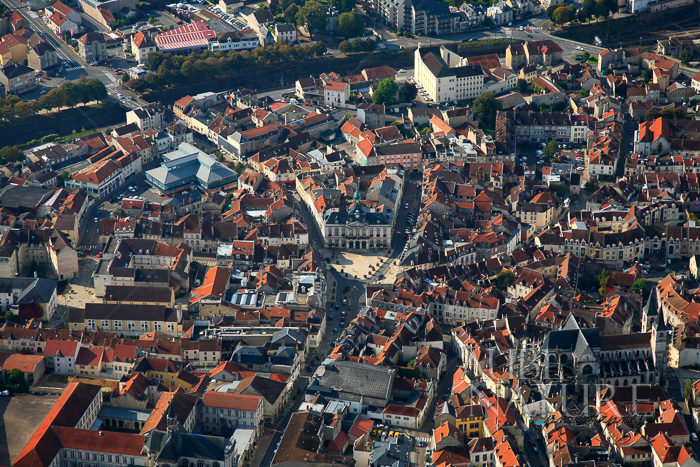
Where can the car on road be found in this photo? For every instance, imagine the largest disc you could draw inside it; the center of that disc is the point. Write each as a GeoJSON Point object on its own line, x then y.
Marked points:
{"type": "Point", "coordinates": [5, 393]}
{"type": "Point", "coordinates": [119, 72]}
{"type": "Point", "coordinates": [98, 255]}
{"type": "Point", "coordinates": [330, 317]}
{"type": "Point", "coordinates": [694, 436]}
{"type": "Point", "coordinates": [406, 206]}
{"type": "Point", "coordinates": [579, 48]}
{"type": "Point", "coordinates": [86, 250]}
{"type": "Point", "coordinates": [335, 330]}
{"type": "Point", "coordinates": [530, 36]}
{"type": "Point", "coordinates": [380, 277]}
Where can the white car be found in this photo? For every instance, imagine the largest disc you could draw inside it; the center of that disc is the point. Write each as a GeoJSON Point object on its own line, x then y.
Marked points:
{"type": "Point", "coordinates": [578, 47]}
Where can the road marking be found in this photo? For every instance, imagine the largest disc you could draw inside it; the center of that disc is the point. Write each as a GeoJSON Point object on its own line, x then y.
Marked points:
{"type": "Point", "coordinates": [73, 68]}
{"type": "Point", "coordinates": [392, 40]}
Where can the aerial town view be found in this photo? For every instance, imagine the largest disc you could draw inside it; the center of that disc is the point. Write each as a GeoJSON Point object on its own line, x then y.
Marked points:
{"type": "Point", "coordinates": [339, 233]}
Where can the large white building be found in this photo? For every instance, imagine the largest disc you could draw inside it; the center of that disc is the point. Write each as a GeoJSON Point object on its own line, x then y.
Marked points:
{"type": "Point", "coordinates": [442, 82]}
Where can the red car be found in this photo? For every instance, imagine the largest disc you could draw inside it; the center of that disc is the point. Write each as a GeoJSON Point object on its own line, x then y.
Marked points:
{"type": "Point", "coordinates": [119, 73]}
{"type": "Point", "coordinates": [99, 255]}
{"type": "Point", "coordinates": [86, 250]}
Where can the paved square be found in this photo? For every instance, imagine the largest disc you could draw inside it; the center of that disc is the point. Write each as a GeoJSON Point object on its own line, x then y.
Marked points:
{"type": "Point", "coordinates": [21, 415]}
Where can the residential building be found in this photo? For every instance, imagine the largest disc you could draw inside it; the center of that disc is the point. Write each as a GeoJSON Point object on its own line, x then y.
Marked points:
{"type": "Point", "coordinates": [141, 46]}
{"type": "Point", "coordinates": [127, 319]}
{"type": "Point", "coordinates": [17, 79]}
{"type": "Point", "coordinates": [286, 33]}
{"type": "Point", "coordinates": [336, 94]}
{"type": "Point", "coordinates": [92, 47]}
{"type": "Point", "coordinates": [100, 179]}
{"type": "Point", "coordinates": [225, 412]}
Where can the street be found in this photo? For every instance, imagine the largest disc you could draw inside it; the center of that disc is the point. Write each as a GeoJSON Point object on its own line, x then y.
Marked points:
{"type": "Point", "coordinates": [75, 65]}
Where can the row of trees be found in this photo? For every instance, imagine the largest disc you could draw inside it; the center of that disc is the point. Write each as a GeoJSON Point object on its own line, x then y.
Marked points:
{"type": "Point", "coordinates": [676, 113]}
{"type": "Point", "coordinates": [69, 94]}
{"type": "Point", "coordinates": [340, 5]}
{"type": "Point", "coordinates": [176, 69]}
{"type": "Point", "coordinates": [358, 45]}
{"type": "Point", "coordinates": [313, 16]}
{"type": "Point", "coordinates": [590, 9]}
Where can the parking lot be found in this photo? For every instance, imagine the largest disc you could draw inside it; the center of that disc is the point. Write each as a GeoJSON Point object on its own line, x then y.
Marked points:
{"type": "Point", "coordinates": [21, 415]}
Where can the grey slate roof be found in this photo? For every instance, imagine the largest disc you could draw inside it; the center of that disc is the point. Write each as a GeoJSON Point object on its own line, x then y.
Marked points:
{"type": "Point", "coordinates": [354, 381]}
{"type": "Point", "coordinates": [15, 196]}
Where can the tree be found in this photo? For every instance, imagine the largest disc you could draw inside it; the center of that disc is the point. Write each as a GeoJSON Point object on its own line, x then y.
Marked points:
{"type": "Point", "coordinates": [350, 24]}
{"type": "Point", "coordinates": [30, 311]}
{"type": "Point", "coordinates": [642, 287]}
{"type": "Point", "coordinates": [686, 55]}
{"type": "Point", "coordinates": [550, 149]}
{"type": "Point", "coordinates": [585, 56]}
{"type": "Point", "coordinates": [485, 108]}
{"type": "Point", "coordinates": [385, 92]}
{"type": "Point", "coordinates": [688, 391]}
{"type": "Point", "coordinates": [15, 377]}
{"type": "Point", "coordinates": [343, 5]}
{"type": "Point", "coordinates": [240, 168]}
{"type": "Point", "coordinates": [290, 14]}
{"type": "Point", "coordinates": [504, 278]}
{"type": "Point", "coordinates": [588, 8]}
{"type": "Point", "coordinates": [57, 98]}
{"type": "Point", "coordinates": [73, 95]}
{"type": "Point", "coordinates": [603, 282]}
{"type": "Point", "coordinates": [11, 154]}
{"type": "Point", "coordinates": [583, 93]}
{"type": "Point", "coordinates": [9, 316]}
{"type": "Point", "coordinates": [125, 78]}
{"type": "Point", "coordinates": [65, 175]}
{"type": "Point", "coordinates": [522, 86]}
{"type": "Point", "coordinates": [312, 16]}
{"type": "Point", "coordinates": [561, 15]}
{"type": "Point", "coordinates": [591, 185]}
{"type": "Point", "coordinates": [407, 92]}
{"type": "Point", "coordinates": [551, 9]}
{"type": "Point", "coordinates": [647, 75]}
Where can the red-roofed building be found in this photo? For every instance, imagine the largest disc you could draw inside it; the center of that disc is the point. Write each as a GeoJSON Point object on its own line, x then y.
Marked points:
{"type": "Point", "coordinates": [31, 366]}
{"type": "Point", "coordinates": [141, 46]}
{"type": "Point", "coordinates": [336, 93]}
{"type": "Point", "coordinates": [77, 408]}
{"type": "Point", "coordinates": [61, 355]}
{"type": "Point", "coordinates": [212, 289]}
{"type": "Point", "coordinates": [60, 24]}
{"type": "Point", "coordinates": [99, 179]}
{"type": "Point", "coordinates": [190, 37]}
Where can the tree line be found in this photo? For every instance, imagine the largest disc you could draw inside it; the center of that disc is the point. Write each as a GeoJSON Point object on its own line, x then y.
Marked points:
{"type": "Point", "coordinates": [69, 94]}
{"type": "Point", "coordinates": [358, 45]}
{"type": "Point", "coordinates": [168, 70]}
{"type": "Point", "coordinates": [590, 9]}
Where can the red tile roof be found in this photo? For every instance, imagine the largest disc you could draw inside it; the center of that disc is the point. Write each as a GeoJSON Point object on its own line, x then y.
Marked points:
{"type": "Point", "coordinates": [226, 400]}
{"type": "Point", "coordinates": [25, 363]}
{"type": "Point", "coordinates": [66, 412]}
